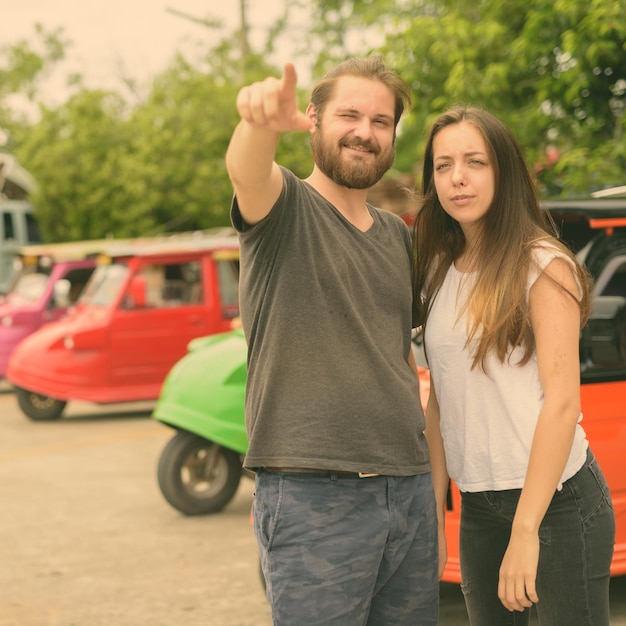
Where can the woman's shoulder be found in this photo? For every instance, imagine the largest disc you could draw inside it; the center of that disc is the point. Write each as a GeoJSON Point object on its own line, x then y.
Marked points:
{"type": "Point", "coordinates": [544, 252]}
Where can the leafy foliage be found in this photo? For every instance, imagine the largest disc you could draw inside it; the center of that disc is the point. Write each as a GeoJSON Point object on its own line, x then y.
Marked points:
{"type": "Point", "coordinates": [104, 167]}
{"type": "Point", "coordinates": [555, 71]}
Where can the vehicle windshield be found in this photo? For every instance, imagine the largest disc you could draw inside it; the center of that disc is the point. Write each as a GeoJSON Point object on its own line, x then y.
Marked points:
{"type": "Point", "coordinates": [29, 286]}
{"type": "Point", "coordinates": [105, 284]}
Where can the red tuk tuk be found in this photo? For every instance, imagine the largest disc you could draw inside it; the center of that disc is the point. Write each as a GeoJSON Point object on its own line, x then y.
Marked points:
{"type": "Point", "coordinates": [143, 304]}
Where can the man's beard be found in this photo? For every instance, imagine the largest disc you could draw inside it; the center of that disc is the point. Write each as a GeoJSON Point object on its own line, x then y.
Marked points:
{"type": "Point", "coordinates": [352, 173]}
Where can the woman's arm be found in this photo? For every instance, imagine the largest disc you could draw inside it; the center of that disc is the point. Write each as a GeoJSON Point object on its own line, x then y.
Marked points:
{"type": "Point", "coordinates": [555, 319]}
{"type": "Point", "coordinates": [439, 471]}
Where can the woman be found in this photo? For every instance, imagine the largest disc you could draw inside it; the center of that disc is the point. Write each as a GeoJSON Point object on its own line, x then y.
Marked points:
{"type": "Point", "coordinates": [502, 302]}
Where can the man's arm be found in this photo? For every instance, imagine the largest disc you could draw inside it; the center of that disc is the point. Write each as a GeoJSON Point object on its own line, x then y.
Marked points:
{"type": "Point", "coordinates": [267, 109]}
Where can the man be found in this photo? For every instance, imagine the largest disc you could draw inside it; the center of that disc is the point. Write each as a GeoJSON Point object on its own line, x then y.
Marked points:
{"type": "Point", "coordinates": [344, 509]}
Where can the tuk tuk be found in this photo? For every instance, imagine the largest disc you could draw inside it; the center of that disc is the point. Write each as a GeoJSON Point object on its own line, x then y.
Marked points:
{"type": "Point", "coordinates": [143, 304]}
{"type": "Point", "coordinates": [49, 279]}
{"type": "Point", "coordinates": [203, 395]}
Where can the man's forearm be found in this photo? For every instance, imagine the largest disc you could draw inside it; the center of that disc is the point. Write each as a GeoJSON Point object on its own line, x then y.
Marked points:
{"type": "Point", "coordinates": [250, 155]}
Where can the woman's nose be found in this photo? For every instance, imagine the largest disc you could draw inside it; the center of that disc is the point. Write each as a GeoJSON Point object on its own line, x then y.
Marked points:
{"type": "Point", "coordinates": [458, 175]}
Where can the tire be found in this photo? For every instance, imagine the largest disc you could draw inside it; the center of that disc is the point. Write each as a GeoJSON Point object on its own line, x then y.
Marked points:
{"type": "Point", "coordinates": [197, 476]}
{"type": "Point", "coordinates": [37, 407]}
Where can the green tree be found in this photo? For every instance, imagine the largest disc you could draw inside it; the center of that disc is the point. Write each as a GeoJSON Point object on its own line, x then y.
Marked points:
{"type": "Point", "coordinates": [105, 167]}
{"type": "Point", "coordinates": [179, 139]}
{"type": "Point", "coordinates": [23, 66]}
{"type": "Point", "coordinates": [75, 152]}
{"type": "Point", "coordinates": [534, 64]}
{"type": "Point", "coordinates": [555, 71]}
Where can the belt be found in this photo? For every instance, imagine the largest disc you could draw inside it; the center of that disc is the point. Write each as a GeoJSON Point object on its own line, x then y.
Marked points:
{"type": "Point", "coordinates": [319, 472]}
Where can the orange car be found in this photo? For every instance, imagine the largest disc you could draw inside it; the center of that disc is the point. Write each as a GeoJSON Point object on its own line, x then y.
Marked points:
{"type": "Point", "coordinates": [596, 229]}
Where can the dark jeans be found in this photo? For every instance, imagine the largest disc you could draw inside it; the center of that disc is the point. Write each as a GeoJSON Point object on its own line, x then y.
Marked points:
{"type": "Point", "coordinates": [348, 551]}
{"type": "Point", "coordinates": [576, 547]}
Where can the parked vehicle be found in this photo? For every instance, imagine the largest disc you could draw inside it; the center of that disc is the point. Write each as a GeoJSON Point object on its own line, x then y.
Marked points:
{"type": "Point", "coordinates": [49, 279]}
{"type": "Point", "coordinates": [18, 226]}
{"type": "Point", "coordinates": [143, 304]}
{"type": "Point", "coordinates": [195, 478]}
{"type": "Point", "coordinates": [202, 398]}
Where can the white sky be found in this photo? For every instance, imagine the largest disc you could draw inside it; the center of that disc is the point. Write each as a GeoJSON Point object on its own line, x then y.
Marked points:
{"type": "Point", "coordinates": [134, 37]}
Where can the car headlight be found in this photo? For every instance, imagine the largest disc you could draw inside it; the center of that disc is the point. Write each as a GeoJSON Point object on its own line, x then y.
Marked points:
{"type": "Point", "coordinates": [68, 342]}
{"type": "Point", "coordinates": [7, 321]}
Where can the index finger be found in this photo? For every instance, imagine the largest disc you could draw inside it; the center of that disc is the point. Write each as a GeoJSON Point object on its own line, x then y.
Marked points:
{"type": "Point", "coordinates": [289, 80]}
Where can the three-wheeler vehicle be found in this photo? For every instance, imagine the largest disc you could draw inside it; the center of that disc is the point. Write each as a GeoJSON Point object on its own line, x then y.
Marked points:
{"type": "Point", "coordinates": [18, 225]}
{"type": "Point", "coordinates": [49, 279]}
{"type": "Point", "coordinates": [142, 305]}
{"type": "Point", "coordinates": [203, 396]}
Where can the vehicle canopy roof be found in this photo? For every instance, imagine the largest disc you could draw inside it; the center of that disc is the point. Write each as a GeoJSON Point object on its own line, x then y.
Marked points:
{"type": "Point", "coordinates": [579, 221]}
{"type": "Point", "coordinates": [66, 251]}
{"type": "Point", "coordinates": [103, 249]}
{"type": "Point", "coordinates": [223, 239]}
{"type": "Point", "coordinates": [588, 209]}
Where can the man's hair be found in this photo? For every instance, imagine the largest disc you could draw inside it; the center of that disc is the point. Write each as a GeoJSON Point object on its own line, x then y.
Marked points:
{"type": "Point", "coordinates": [372, 68]}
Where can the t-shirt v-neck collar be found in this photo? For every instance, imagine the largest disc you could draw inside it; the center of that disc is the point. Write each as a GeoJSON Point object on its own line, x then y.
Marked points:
{"type": "Point", "coordinates": [368, 206]}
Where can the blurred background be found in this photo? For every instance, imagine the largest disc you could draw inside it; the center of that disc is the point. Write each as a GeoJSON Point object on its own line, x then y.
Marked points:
{"type": "Point", "coordinates": [122, 111]}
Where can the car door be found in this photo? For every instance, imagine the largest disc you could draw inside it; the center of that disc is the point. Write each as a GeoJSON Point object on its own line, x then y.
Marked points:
{"type": "Point", "coordinates": [162, 310]}
{"type": "Point", "coordinates": [603, 389]}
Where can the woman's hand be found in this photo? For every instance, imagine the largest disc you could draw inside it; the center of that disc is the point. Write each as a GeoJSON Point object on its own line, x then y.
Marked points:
{"type": "Point", "coordinates": [518, 571]}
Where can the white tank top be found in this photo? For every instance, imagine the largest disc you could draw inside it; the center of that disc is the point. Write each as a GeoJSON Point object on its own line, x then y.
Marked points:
{"type": "Point", "coordinates": [487, 419]}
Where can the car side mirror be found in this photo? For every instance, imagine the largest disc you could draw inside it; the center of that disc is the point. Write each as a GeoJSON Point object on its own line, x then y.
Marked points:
{"type": "Point", "coordinates": [61, 293]}
{"type": "Point", "coordinates": [603, 340]}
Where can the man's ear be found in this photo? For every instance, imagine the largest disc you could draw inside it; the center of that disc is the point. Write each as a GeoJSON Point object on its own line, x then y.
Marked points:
{"type": "Point", "coordinates": [311, 113]}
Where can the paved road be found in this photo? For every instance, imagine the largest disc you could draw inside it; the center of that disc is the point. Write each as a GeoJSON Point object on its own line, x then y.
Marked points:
{"type": "Point", "coordinates": [86, 538]}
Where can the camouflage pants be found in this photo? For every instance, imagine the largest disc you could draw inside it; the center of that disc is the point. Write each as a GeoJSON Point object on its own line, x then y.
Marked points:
{"type": "Point", "coordinates": [348, 551]}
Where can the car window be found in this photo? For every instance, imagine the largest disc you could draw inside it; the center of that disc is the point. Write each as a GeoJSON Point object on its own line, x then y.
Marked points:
{"type": "Point", "coordinates": [77, 278]}
{"type": "Point", "coordinates": [29, 286]}
{"type": "Point", "coordinates": [228, 276]}
{"type": "Point", "coordinates": [166, 285]}
{"type": "Point", "coordinates": [9, 225]}
{"type": "Point", "coordinates": [104, 284]}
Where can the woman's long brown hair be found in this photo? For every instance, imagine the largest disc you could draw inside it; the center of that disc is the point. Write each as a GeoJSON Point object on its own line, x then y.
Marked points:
{"type": "Point", "coordinates": [497, 304]}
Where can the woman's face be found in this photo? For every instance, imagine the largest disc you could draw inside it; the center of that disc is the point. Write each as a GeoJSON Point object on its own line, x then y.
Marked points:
{"type": "Point", "coordinates": [463, 174]}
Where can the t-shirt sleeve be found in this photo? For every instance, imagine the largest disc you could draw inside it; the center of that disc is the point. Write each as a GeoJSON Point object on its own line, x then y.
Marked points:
{"type": "Point", "coordinates": [240, 224]}
{"type": "Point", "coordinates": [543, 255]}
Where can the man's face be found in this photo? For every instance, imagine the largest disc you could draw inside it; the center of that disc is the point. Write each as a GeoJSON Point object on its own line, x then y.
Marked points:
{"type": "Point", "coordinates": [353, 142]}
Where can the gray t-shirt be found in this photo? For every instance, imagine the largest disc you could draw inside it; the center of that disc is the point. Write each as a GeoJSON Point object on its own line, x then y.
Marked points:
{"type": "Point", "coordinates": [327, 311]}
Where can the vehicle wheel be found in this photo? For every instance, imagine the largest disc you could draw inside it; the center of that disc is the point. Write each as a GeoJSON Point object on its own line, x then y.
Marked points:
{"type": "Point", "coordinates": [37, 407]}
{"type": "Point", "coordinates": [197, 476]}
